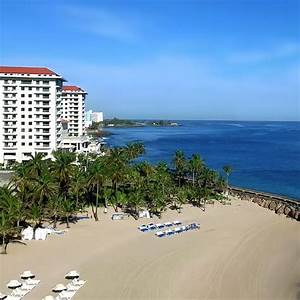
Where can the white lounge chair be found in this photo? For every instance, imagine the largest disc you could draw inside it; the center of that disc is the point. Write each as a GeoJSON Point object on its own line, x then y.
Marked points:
{"type": "Point", "coordinates": [10, 297]}
{"type": "Point", "coordinates": [79, 282]}
{"type": "Point", "coordinates": [160, 234]}
{"type": "Point", "coordinates": [66, 295]}
{"type": "Point", "coordinates": [177, 229]}
{"type": "Point", "coordinates": [32, 282]}
{"type": "Point", "coordinates": [177, 223]}
{"type": "Point", "coordinates": [169, 232]}
{"type": "Point", "coordinates": [160, 225]}
{"type": "Point", "coordinates": [19, 292]}
{"type": "Point", "coordinates": [168, 224]}
{"type": "Point", "coordinates": [143, 228]}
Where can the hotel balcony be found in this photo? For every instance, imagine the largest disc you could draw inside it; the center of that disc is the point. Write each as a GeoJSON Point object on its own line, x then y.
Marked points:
{"type": "Point", "coordinates": [10, 146]}
{"type": "Point", "coordinates": [10, 125]}
{"type": "Point", "coordinates": [10, 84]}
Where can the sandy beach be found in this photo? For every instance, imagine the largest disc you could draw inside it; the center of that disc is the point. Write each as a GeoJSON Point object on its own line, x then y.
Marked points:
{"type": "Point", "coordinates": [241, 251]}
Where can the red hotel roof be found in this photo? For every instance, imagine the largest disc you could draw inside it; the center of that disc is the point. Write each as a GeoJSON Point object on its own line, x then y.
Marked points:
{"type": "Point", "coordinates": [72, 88]}
{"type": "Point", "coordinates": [26, 70]}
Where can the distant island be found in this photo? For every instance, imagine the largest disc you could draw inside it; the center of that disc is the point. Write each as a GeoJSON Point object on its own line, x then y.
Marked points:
{"type": "Point", "coordinates": [117, 123]}
{"type": "Point", "coordinates": [97, 128]}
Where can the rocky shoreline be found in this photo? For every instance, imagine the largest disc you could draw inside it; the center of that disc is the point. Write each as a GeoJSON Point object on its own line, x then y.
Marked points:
{"type": "Point", "coordinates": [280, 205]}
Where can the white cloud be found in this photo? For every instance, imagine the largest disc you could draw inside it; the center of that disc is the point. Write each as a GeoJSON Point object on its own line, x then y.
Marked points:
{"type": "Point", "coordinates": [266, 55]}
{"type": "Point", "coordinates": [101, 22]}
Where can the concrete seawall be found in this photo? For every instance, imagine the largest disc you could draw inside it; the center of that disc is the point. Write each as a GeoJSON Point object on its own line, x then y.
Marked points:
{"type": "Point", "coordinates": [277, 203]}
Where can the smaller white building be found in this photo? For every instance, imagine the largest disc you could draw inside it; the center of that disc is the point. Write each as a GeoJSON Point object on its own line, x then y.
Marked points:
{"type": "Point", "coordinates": [91, 117]}
{"type": "Point", "coordinates": [88, 118]}
{"type": "Point", "coordinates": [97, 116]}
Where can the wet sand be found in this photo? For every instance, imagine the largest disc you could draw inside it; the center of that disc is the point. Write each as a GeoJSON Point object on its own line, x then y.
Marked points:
{"type": "Point", "coordinates": [242, 251]}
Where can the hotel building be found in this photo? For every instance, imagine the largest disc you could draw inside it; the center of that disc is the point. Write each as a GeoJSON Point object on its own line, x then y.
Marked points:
{"type": "Point", "coordinates": [29, 112]}
{"type": "Point", "coordinates": [73, 119]}
{"type": "Point", "coordinates": [73, 110]}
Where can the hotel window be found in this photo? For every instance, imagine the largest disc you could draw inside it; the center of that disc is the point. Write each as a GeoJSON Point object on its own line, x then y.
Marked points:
{"type": "Point", "coordinates": [45, 82]}
{"type": "Point", "coordinates": [30, 95]}
{"type": "Point", "coordinates": [30, 136]}
{"type": "Point", "coordinates": [22, 95]}
{"type": "Point", "coordinates": [22, 123]}
{"type": "Point", "coordinates": [30, 144]}
{"type": "Point", "coordinates": [22, 116]}
{"type": "Point", "coordinates": [22, 109]}
{"type": "Point", "coordinates": [22, 88]}
{"type": "Point", "coordinates": [30, 116]}
{"type": "Point", "coordinates": [29, 109]}
{"type": "Point", "coordinates": [30, 129]}
{"type": "Point", "coordinates": [25, 81]}
{"type": "Point", "coordinates": [30, 123]}
{"type": "Point", "coordinates": [22, 102]}
{"type": "Point", "coordinates": [23, 144]}
{"type": "Point", "coordinates": [22, 137]}
{"type": "Point", "coordinates": [23, 130]}
{"type": "Point", "coordinates": [30, 102]}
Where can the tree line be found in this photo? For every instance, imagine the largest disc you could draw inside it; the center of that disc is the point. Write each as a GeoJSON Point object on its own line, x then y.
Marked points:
{"type": "Point", "coordinates": [43, 190]}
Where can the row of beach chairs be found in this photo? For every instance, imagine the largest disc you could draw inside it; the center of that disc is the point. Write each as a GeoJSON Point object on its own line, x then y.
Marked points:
{"type": "Point", "coordinates": [177, 230]}
{"type": "Point", "coordinates": [67, 292]}
{"type": "Point", "coordinates": [21, 288]}
{"type": "Point", "coordinates": [152, 226]}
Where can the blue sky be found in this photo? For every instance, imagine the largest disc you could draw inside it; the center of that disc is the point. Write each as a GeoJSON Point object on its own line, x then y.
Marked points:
{"type": "Point", "coordinates": [222, 59]}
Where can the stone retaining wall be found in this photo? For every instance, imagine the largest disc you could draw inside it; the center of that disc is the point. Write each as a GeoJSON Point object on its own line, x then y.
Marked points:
{"type": "Point", "coordinates": [280, 205]}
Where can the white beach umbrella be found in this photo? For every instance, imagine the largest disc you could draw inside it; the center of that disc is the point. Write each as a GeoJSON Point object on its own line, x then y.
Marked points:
{"type": "Point", "coordinates": [13, 284]}
{"type": "Point", "coordinates": [27, 274]}
{"type": "Point", "coordinates": [2, 296]}
{"type": "Point", "coordinates": [59, 287]}
{"type": "Point", "coordinates": [72, 274]}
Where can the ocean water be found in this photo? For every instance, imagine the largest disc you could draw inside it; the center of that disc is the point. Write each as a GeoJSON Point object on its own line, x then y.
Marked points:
{"type": "Point", "coordinates": [264, 155]}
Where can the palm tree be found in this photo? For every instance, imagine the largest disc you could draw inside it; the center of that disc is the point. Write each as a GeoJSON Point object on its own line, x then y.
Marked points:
{"type": "Point", "coordinates": [117, 199]}
{"type": "Point", "coordinates": [44, 188]}
{"type": "Point", "coordinates": [36, 214]}
{"type": "Point", "coordinates": [10, 214]}
{"type": "Point", "coordinates": [96, 179]}
{"type": "Point", "coordinates": [7, 229]}
{"type": "Point", "coordinates": [21, 183]}
{"type": "Point", "coordinates": [67, 209]}
{"type": "Point", "coordinates": [134, 202]}
{"type": "Point", "coordinates": [78, 184]}
{"type": "Point", "coordinates": [180, 165]}
{"type": "Point", "coordinates": [36, 164]}
{"type": "Point", "coordinates": [117, 166]}
{"type": "Point", "coordinates": [53, 208]}
{"type": "Point", "coordinates": [228, 170]}
{"type": "Point", "coordinates": [134, 150]}
{"type": "Point", "coordinates": [195, 165]}
{"type": "Point", "coordinates": [63, 169]}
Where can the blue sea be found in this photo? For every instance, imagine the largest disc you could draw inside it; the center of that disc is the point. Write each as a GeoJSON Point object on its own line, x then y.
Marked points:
{"type": "Point", "coordinates": [264, 155]}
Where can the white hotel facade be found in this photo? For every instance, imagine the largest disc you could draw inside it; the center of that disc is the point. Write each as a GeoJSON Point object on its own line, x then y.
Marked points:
{"type": "Point", "coordinates": [31, 105]}
{"type": "Point", "coordinates": [73, 109]}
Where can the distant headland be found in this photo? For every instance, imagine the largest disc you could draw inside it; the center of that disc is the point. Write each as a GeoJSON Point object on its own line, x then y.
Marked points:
{"type": "Point", "coordinates": [115, 122]}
